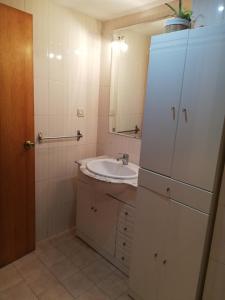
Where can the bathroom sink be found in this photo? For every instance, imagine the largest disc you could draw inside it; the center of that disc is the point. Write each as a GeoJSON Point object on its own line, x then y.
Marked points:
{"type": "Point", "coordinates": [113, 169]}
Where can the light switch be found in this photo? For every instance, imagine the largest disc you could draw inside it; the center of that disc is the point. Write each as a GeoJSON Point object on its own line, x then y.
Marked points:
{"type": "Point", "coordinates": [80, 113]}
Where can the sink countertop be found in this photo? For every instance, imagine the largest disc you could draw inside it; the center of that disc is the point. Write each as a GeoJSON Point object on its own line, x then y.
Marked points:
{"type": "Point", "coordinates": [83, 162]}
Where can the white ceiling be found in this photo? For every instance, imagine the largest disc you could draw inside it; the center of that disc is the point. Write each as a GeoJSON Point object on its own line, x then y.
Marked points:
{"type": "Point", "coordinates": [110, 9]}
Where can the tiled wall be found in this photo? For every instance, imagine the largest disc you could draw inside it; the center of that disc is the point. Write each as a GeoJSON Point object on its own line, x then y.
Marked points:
{"type": "Point", "coordinates": [206, 12]}
{"type": "Point", "coordinates": [64, 83]}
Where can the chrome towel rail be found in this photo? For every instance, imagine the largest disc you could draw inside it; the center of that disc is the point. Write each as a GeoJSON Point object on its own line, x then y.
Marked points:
{"type": "Point", "coordinates": [42, 138]}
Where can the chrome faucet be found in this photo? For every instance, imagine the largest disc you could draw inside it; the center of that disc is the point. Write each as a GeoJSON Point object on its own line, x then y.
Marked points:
{"type": "Point", "coordinates": [124, 158]}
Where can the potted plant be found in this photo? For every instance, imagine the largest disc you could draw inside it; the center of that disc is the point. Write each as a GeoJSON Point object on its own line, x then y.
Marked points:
{"type": "Point", "coordinates": [182, 18]}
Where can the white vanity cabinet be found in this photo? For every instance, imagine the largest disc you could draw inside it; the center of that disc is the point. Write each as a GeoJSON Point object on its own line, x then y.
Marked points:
{"type": "Point", "coordinates": [97, 217]}
{"type": "Point", "coordinates": [185, 109]}
{"type": "Point", "coordinates": [168, 248]}
{"type": "Point", "coordinates": [106, 222]}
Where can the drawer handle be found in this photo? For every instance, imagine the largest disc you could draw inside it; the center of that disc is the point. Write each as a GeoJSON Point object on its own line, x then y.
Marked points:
{"type": "Point", "coordinates": [168, 189]}
{"type": "Point", "coordinates": [123, 258]}
{"type": "Point", "coordinates": [125, 229]}
{"type": "Point", "coordinates": [126, 213]}
{"type": "Point", "coordinates": [156, 255]}
{"type": "Point", "coordinates": [95, 210]}
{"type": "Point", "coordinates": [165, 262]}
{"type": "Point", "coordinates": [92, 208]}
{"type": "Point", "coordinates": [124, 244]}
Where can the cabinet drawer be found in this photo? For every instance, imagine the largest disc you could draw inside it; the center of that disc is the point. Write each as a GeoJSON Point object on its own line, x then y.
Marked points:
{"type": "Point", "coordinates": [124, 243]}
{"type": "Point", "coordinates": [154, 182]}
{"type": "Point", "coordinates": [127, 214]}
{"type": "Point", "coordinates": [191, 196]}
{"type": "Point", "coordinates": [123, 257]}
{"type": "Point", "coordinates": [178, 191]}
{"type": "Point", "coordinates": [126, 228]}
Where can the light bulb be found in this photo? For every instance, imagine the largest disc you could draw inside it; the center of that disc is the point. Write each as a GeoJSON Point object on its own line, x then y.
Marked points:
{"type": "Point", "coordinates": [221, 8]}
{"type": "Point", "coordinates": [59, 56]}
{"type": "Point", "coordinates": [51, 55]}
{"type": "Point", "coordinates": [123, 46]}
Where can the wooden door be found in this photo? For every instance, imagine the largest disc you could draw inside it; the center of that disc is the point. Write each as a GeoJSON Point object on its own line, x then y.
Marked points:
{"type": "Point", "coordinates": [17, 200]}
{"type": "Point", "coordinates": [202, 110]}
{"type": "Point", "coordinates": [148, 244]}
{"type": "Point", "coordinates": [181, 266]}
{"type": "Point", "coordinates": [85, 210]}
{"type": "Point", "coordinates": [106, 219]}
{"type": "Point", "coordinates": [165, 78]}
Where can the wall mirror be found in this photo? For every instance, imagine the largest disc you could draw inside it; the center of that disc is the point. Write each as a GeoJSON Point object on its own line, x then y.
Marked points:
{"type": "Point", "coordinates": [129, 65]}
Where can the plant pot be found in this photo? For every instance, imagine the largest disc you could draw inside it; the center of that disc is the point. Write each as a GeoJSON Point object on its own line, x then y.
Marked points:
{"type": "Point", "coordinates": [177, 24]}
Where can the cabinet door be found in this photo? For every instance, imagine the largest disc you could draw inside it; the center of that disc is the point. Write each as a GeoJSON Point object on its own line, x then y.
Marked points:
{"type": "Point", "coordinates": [165, 79]}
{"type": "Point", "coordinates": [148, 245]}
{"type": "Point", "coordinates": [85, 214]}
{"type": "Point", "coordinates": [180, 268]}
{"type": "Point", "coordinates": [202, 110]}
{"type": "Point", "coordinates": [106, 218]}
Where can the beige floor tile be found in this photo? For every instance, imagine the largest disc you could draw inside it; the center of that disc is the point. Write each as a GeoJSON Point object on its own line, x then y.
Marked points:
{"type": "Point", "coordinates": [115, 285]}
{"type": "Point", "coordinates": [18, 292]}
{"type": "Point", "coordinates": [57, 292]}
{"type": "Point", "coordinates": [29, 266]}
{"type": "Point", "coordinates": [98, 270]}
{"type": "Point", "coordinates": [77, 284]}
{"type": "Point", "coordinates": [9, 276]}
{"type": "Point", "coordinates": [50, 256]}
{"type": "Point", "coordinates": [84, 258]}
{"type": "Point", "coordinates": [70, 246]}
{"type": "Point", "coordinates": [64, 269]}
{"type": "Point", "coordinates": [93, 294]}
{"type": "Point", "coordinates": [40, 281]}
{"type": "Point", "coordinates": [124, 297]}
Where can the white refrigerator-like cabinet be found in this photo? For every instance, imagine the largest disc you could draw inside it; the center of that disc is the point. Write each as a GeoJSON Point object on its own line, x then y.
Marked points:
{"type": "Point", "coordinates": [180, 163]}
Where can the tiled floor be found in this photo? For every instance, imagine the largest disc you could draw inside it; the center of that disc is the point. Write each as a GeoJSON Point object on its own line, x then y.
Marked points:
{"type": "Point", "coordinates": [62, 268]}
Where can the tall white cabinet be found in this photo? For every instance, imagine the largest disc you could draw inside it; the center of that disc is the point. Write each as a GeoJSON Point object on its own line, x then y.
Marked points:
{"type": "Point", "coordinates": [180, 159]}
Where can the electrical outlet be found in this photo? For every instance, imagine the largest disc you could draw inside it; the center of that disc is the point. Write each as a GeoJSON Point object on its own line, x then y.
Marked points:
{"type": "Point", "coordinates": [80, 113]}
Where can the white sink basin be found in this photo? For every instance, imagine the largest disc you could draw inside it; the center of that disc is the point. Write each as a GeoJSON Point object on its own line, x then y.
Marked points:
{"type": "Point", "coordinates": [113, 169]}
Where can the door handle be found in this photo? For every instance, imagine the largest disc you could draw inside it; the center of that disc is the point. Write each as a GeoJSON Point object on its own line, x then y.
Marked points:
{"type": "Point", "coordinates": [29, 145]}
{"type": "Point", "coordinates": [185, 114]}
{"type": "Point", "coordinates": [173, 108]}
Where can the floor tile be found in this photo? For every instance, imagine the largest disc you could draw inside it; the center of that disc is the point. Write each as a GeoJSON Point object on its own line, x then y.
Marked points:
{"type": "Point", "coordinates": [50, 256]}
{"type": "Point", "coordinates": [9, 276]}
{"type": "Point", "coordinates": [124, 297]}
{"type": "Point", "coordinates": [63, 269]}
{"type": "Point", "coordinates": [114, 285]}
{"type": "Point", "coordinates": [70, 246]}
{"type": "Point", "coordinates": [93, 294]}
{"type": "Point", "coordinates": [98, 270]}
{"type": "Point", "coordinates": [77, 284]}
{"type": "Point", "coordinates": [56, 292]}
{"type": "Point", "coordinates": [18, 292]}
{"type": "Point", "coordinates": [29, 266]}
{"type": "Point", "coordinates": [84, 258]}
{"type": "Point", "coordinates": [40, 281]}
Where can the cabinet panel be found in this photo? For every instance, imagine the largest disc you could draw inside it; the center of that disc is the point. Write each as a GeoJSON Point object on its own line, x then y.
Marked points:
{"type": "Point", "coordinates": [186, 234]}
{"type": "Point", "coordinates": [202, 110]}
{"type": "Point", "coordinates": [84, 217]}
{"type": "Point", "coordinates": [106, 219]}
{"type": "Point", "coordinates": [166, 68]}
{"type": "Point", "coordinates": [148, 245]}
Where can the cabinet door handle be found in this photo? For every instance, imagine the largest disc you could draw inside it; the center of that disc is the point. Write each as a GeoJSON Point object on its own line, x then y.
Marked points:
{"type": "Point", "coordinates": [92, 208]}
{"type": "Point", "coordinates": [165, 262]}
{"type": "Point", "coordinates": [123, 258]}
{"type": "Point", "coordinates": [124, 244]}
{"type": "Point", "coordinates": [168, 190]}
{"type": "Point", "coordinates": [125, 228]}
{"type": "Point", "coordinates": [95, 210]}
{"type": "Point", "coordinates": [173, 108]}
{"type": "Point", "coordinates": [185, 114]}
{"type": "Point", "coordinates": [126, 213]}
{"type": "Point", "coordinates": [156, 255]}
